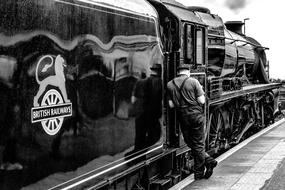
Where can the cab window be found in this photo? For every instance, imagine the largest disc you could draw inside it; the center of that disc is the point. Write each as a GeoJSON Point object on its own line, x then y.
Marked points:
{"type": "Point", "coordinates": [189, 42]}
{"type": "Point", "coordinates": [200, 46]}
{"type": "Point", "coordinates": [194, 45]}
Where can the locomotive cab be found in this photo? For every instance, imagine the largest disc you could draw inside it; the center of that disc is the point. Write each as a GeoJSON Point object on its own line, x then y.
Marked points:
{"type": "Point", "coordinates": [184, 38]}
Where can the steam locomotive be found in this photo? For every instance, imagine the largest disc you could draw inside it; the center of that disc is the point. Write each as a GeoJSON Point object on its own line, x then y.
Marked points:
{"type": "Point", "coordinates": [82, 91]}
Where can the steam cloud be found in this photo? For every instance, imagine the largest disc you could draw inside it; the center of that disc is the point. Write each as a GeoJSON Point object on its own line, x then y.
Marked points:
{"type": "Point", "coordinates": [236, 5]}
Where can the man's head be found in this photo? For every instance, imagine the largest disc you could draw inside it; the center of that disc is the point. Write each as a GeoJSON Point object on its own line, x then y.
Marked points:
{"type": "Point", "coordinates": [183, 70]}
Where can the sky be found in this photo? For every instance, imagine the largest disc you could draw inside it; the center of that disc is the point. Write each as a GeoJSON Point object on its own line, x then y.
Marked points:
{"type": "Point", "coordinates": [265, 24]}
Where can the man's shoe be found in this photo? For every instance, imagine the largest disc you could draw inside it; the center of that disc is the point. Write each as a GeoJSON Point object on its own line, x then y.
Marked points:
{"type": "Point", "coordinates": [209, 169]}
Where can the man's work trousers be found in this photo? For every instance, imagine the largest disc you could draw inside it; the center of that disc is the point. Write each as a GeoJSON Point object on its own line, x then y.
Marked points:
{"type": "Point", "coordinates": [192, 127]}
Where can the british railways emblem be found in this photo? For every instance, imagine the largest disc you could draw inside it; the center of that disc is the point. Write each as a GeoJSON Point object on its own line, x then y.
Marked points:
{"type": "Point", "coordinates": [55, 105]}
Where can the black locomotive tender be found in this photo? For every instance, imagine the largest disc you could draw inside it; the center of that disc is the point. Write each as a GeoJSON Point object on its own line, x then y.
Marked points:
{"type": "Point", "coordinates": [78, 109]}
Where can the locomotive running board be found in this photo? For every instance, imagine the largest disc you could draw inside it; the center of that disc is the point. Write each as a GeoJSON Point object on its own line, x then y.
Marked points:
{"type": "Point", "coordinates": [243, 92]}
{"type": "Point", "coordinates": [91, 175]}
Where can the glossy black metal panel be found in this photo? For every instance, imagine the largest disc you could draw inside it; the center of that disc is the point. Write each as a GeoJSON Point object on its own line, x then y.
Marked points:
{"type": "Point", "coordinates": [68, 70]}
{"type": "Point", "coordinates": [216, 46]}
{"type": "Point", "coordinates": [232, 54]}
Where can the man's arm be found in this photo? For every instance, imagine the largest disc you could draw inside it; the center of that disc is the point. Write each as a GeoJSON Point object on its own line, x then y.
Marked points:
{"type": "Point", "coordinates": [201, 99]}
{"type": "Point", "coordinates": [171, 104]}
{"type": "Point", "coordinates": [200, 93]}
{"type": "Point", "coordinates": [133, 99]}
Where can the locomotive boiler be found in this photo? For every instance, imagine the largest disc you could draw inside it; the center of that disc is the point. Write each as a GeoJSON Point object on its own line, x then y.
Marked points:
{"type": "Point", "coordinates": [82, 91]}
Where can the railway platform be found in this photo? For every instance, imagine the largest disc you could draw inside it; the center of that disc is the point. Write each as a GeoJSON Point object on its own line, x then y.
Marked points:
{"type": "Point", "coordinates": [256, 163]}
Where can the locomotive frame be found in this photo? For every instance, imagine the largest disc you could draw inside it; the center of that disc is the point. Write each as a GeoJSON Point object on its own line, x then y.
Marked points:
{"type": "Point", "coordinates": [135, 36]}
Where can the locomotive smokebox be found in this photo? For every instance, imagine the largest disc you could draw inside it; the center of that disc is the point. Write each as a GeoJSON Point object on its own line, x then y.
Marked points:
{"type": "Point", "coordinates": [235, 26]}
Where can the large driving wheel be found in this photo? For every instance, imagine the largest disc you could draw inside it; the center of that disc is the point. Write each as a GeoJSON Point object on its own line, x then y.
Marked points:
{"type": "Point", "coordinates": [268, 115]}
{"type": "Point", "coordinates": [216, 130]}
{"type": "Point", "coordinates": [52, 126]}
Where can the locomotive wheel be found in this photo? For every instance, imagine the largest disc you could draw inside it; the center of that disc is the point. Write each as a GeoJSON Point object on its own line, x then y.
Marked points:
{"type": "Point", "coordinates": [268, 115]}
{"type": "Point", "coordinates": [216, 134]}
{"type": "Point", "coordinates": [52, 126]}
{"type": "Point", "coordinates": [236, 117]}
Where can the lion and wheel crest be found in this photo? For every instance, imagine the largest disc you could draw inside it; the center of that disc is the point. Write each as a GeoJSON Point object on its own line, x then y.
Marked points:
{"type": "Point", "coordinates": [54, 105]}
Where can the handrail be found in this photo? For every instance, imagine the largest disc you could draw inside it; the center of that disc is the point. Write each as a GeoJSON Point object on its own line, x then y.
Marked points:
{"type": "Point", "coordinates": [234, 40]}
{"type": "Point", "coordinates": [243, 92]}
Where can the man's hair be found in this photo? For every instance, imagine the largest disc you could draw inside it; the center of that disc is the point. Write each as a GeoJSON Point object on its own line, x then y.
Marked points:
{"type": "Point", "coordinates": [181, 70]}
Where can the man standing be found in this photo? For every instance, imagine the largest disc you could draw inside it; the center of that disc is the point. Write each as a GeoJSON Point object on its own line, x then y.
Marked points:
{"type": "Point", "coordinates": [154, 104]}
{"type": "Point", "coordinates": [187, 96]}
{"type": "Point", "coordinates": [149, 92]}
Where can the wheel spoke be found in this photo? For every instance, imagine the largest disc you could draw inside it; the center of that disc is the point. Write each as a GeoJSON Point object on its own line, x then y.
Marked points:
{"type": "Point", "coordinates": [219, 120]}
{"type": "Point", "coordinates": [52, 98]}
{"type": "Point", "coordinates": [55, 99]}
{"type": "Point", "coordinates": [45, 122]}
{"type": "Point", "coordinates": [52, 125]}
{"type": "Point", "coordinates": [56, 122]}
{"type": "Point", "coordinates": [216, 119]}
{"type": "Point", "coordinates": [48, 124]}
{"type": "Point", "coordinates": [48, 100]}
{"type": "Point", "coordinates": [216, 127]}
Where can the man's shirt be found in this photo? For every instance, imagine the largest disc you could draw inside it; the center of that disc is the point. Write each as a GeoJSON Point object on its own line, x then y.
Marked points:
{"type": "Point", "coordinates": [191, 90]}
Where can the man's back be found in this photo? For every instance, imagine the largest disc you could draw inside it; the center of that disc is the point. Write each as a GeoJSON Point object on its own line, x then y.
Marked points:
{"type": "Point", "coordinates": [188, 95]}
